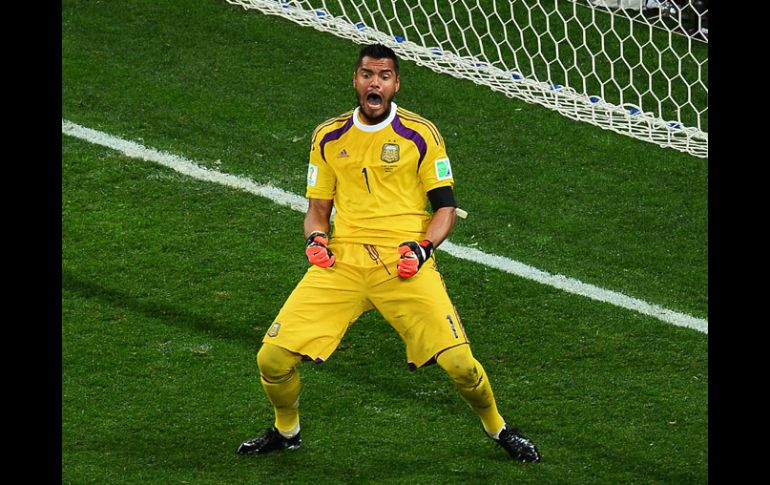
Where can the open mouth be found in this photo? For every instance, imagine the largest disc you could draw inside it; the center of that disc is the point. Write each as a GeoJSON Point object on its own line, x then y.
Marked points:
{"type": "Point", "coordinates": [374, 100]}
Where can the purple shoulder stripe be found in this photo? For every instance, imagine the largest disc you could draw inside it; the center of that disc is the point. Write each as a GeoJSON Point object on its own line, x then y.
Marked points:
{"type": "Point", "coordinates": [412, 135]}
{"type": "Point", "coordinates": [334, 135]}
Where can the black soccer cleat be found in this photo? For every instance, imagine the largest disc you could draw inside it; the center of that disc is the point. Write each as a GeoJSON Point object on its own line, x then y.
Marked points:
{"type": "Point", "coordinates": [270, 441]}
{"type": "Point", "coordinates": [517, 445]}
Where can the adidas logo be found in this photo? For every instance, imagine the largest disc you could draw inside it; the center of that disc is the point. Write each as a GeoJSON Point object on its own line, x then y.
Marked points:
{"type": "Point", "coordinates": [343, 154]}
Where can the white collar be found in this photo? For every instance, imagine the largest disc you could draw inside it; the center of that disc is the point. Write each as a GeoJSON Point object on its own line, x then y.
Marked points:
{"type": "Point", "coordinates": [372, 128]}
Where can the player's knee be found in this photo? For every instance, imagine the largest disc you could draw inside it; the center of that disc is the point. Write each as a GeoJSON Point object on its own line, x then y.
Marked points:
{"type": "Point", "coordinates": [459, 363]}
{"type": "Point", "coordinates": [275, 363]}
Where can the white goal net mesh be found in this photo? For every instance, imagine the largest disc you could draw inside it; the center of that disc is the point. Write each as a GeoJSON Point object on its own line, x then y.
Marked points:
{"type": "Point", "coordinates": [636, 67]}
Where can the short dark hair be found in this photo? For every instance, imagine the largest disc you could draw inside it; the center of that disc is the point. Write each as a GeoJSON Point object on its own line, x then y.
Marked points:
{"type": "Point", "coordinates": [377, 51]}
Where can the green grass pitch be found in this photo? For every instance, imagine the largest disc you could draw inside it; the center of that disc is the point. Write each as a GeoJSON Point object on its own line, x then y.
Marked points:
{"type": "Point", "coordinates": [169, 283]}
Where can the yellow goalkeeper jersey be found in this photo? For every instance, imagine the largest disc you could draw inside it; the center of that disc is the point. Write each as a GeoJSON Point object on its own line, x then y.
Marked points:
{"type": "Point", "coordinates": [378, 175]}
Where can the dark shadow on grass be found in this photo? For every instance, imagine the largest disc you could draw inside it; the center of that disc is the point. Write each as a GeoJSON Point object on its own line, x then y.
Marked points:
{"type": "Point", "coordinates": [170, 314]}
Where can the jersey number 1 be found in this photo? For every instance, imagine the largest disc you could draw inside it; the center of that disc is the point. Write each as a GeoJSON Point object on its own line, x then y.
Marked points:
{"type": "Point", "coordinates": [366, 178]}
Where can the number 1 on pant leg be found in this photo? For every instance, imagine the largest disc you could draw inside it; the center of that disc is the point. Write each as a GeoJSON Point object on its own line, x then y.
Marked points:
{"type": "Point", "coordinates": [452, 324]}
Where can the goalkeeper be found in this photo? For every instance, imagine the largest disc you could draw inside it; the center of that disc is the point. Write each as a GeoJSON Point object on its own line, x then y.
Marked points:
{"type": "Point", "coordinates": [379, 166]}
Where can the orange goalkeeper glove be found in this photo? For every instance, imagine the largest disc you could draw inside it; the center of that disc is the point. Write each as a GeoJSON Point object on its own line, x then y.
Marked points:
{"type": "Point", "coordinates": [413, 256]}
{"type": "Point", "coordinates": [316, 250]}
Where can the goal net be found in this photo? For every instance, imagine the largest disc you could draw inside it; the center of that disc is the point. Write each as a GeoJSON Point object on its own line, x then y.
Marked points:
{"type": "Point", "coordinates": [636, 67]}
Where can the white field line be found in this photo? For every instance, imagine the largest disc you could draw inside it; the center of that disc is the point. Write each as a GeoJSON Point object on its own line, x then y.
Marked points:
{"type": "Point", "coordinates": [299, 203]}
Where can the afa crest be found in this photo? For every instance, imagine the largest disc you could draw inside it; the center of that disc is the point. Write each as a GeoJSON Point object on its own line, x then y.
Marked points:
{"type": "Point", "coordinates": [274, 328]}
{"type": "Point", "coordinates": [390, 153]}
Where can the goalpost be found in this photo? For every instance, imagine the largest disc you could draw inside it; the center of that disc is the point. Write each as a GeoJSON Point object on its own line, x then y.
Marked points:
{"type": "Point", "coordinates": [636, 67]}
